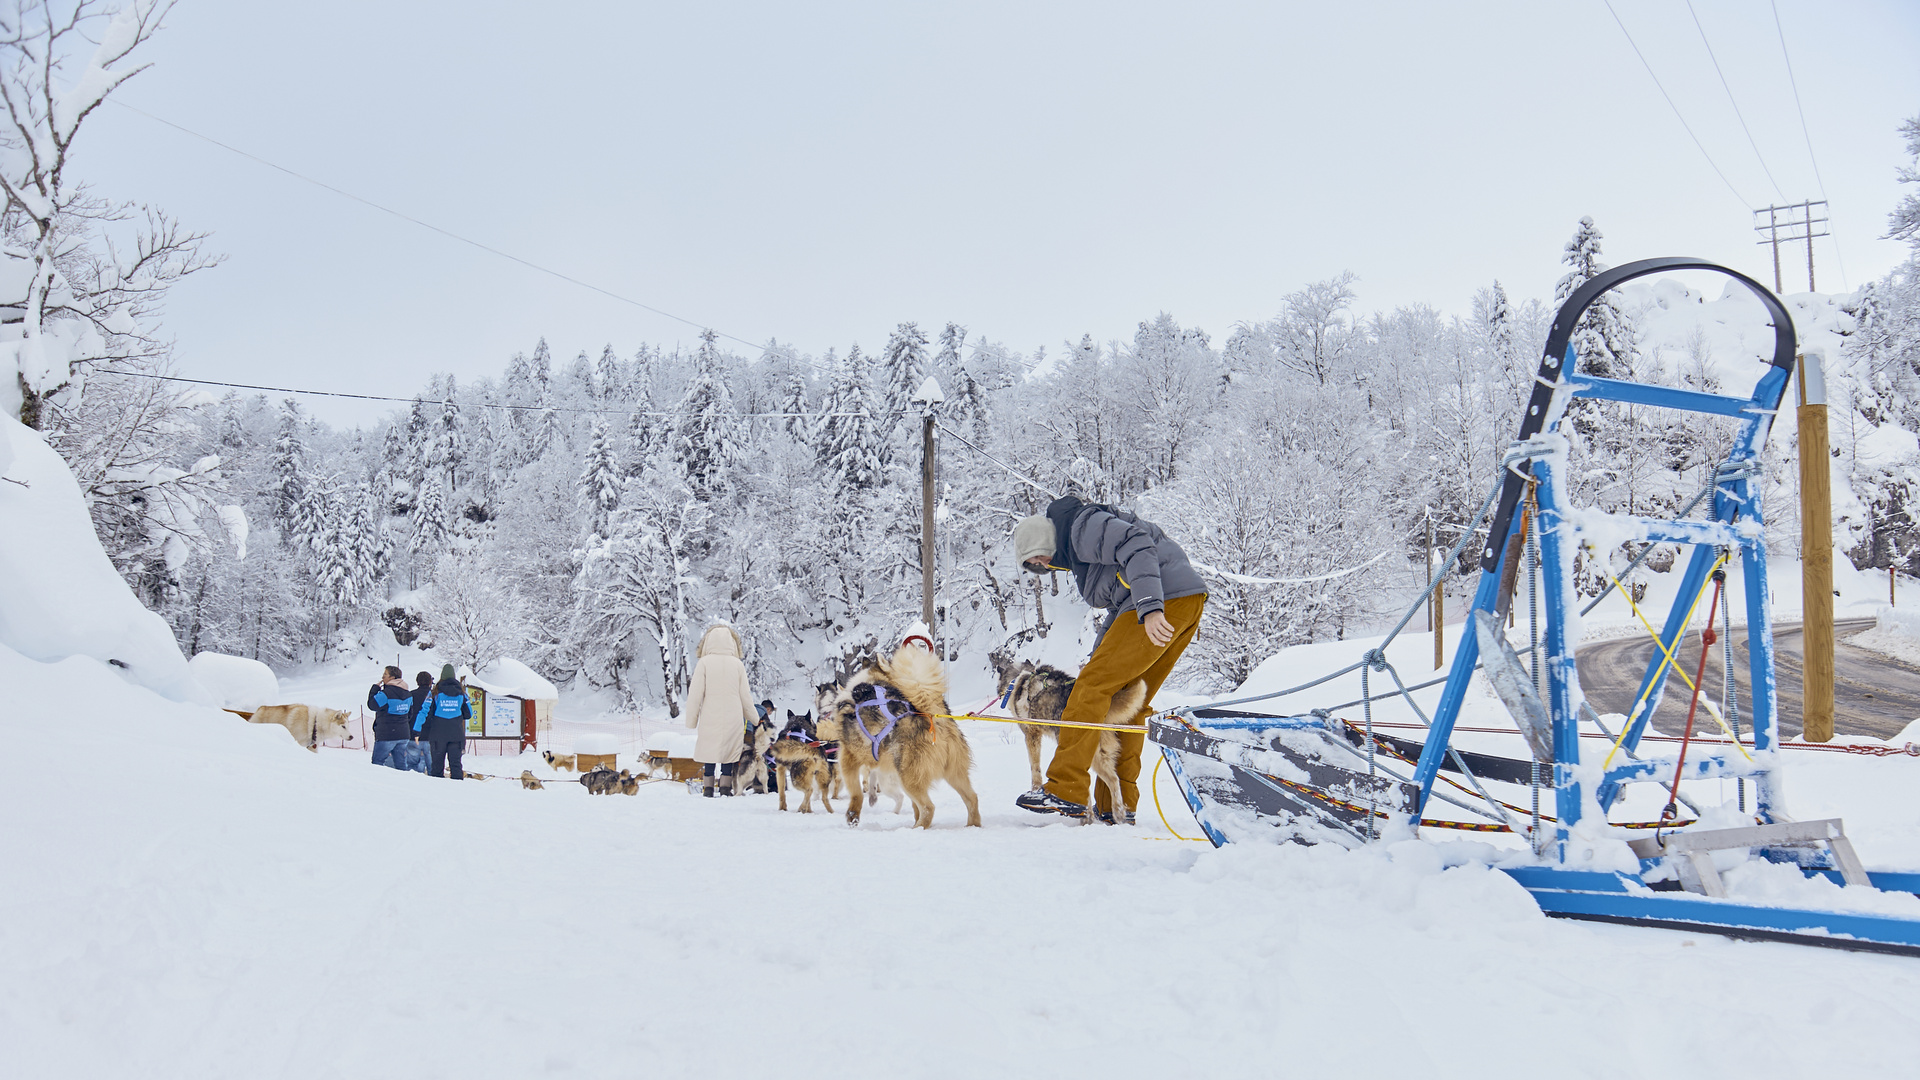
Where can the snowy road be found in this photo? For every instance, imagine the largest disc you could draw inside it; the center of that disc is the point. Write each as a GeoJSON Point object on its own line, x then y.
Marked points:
{"type": "Point", "coordinates": [1874, 694]}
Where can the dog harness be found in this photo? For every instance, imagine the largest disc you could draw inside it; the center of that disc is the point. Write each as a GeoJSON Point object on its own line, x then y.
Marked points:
{"type": "Point", "coordinates": [888, 703]}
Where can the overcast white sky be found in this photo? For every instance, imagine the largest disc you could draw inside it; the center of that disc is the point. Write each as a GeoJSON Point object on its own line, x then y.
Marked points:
{"type": "Point", "coordinates": [1033, 171]}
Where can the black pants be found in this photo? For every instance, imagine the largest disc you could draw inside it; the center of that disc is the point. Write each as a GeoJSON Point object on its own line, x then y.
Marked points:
{"type": "Point", "coordinates": [445, 754]}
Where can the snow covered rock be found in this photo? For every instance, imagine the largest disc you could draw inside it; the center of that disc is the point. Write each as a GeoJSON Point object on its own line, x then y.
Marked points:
{"type": "Point", "coordinates": [59, 595]}
{"type": "Point", "coordinates": [238, 683]}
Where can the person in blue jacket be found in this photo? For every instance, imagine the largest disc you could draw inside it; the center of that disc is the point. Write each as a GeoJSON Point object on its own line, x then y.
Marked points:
{"type": "Point", "coordinates": [393, 705]}
{"type": "Point", "coordinates": [443, 723]}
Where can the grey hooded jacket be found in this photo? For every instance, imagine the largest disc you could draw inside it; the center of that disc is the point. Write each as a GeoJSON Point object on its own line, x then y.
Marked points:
{"type": "Point", "coordinates": [1120, 561]}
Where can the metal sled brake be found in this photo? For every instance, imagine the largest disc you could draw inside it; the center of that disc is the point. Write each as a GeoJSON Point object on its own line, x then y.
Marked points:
{"type": "Point", "coordinates": [1317, 778]}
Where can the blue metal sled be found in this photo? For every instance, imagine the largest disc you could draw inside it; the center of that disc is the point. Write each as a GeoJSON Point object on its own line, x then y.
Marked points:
{"type": "Point", "coordinates": [1314, 778]}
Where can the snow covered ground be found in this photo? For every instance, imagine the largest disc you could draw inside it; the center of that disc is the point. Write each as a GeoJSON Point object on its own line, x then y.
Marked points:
{"type": "Point", "coordinates": [190, 895]}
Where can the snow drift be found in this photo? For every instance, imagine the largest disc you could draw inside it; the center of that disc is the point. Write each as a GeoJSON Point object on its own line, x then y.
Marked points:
{"type": "Point", "coordinates": [62, 597]}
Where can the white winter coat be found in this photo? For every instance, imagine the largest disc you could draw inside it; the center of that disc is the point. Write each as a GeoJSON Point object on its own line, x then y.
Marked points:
{"type": "Point", "coordinates": [719, 701]}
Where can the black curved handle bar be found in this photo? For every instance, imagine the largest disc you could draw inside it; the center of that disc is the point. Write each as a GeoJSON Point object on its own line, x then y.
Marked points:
{"type": "Point", "coordinates": [1785, 346]}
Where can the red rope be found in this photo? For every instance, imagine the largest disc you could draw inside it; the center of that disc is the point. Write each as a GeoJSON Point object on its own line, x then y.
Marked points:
{"type": "Point", "coordinates": [1672, 809]}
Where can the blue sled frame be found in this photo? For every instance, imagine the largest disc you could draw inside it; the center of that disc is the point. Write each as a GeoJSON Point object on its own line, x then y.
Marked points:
{"type": "Point", "coordinates": [1563, 884]}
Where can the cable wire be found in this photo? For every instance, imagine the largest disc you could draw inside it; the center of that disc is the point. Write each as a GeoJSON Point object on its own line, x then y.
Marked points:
{"type": "Point", "coordinates": [449, 234]}
{"type": "Point", "coordinates": [1807, 135]}
{"type": "Point", "coordinates": [1736, 105]}
{"type": "Point", "coordinates": [438, 401]}
{"type": "Point", "coordinates": [1744, 203]}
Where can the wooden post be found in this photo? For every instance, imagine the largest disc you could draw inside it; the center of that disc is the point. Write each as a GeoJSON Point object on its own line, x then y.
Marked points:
{"type": "Point", "coordinates": [926, 520]}
{"type": "Point", "coordinates": [1816, 554]}
{"type": "Point", "coordinates": [1437, 605]}
{"type": "Point", "coordinates": [1429, 554]}
{"type": "Point", "coordinates": [927, 397]}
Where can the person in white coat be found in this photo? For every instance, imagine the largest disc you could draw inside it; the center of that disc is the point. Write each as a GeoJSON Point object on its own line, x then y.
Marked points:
{"type": "Point", "coordinates": [719, 706]}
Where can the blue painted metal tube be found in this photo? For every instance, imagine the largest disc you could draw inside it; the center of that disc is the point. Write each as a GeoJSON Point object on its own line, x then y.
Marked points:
{"type": "Point", "coordinates": [1700, 767]}
{"type": "Point", "coordinates": [1658, 530]}
{"type": "Point", "coordinates": [1665, 397]}
{"type": "Point", "coordinates": [1466, 655]}
{"type": "Point", "coordinates": [1563, 678]}
{"type": "Point", "coordinates": [1262, 723]}
{"type": "Point", "coordinates": [1681, 909]}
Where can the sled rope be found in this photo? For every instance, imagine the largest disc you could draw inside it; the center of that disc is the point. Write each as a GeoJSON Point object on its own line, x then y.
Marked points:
{"type": "Point", "coordinates": [1672, 809]}
{"type": "Point", "coordinates": [1668, 662]}
{"type": "Point", "coordinates": [1153, 783]}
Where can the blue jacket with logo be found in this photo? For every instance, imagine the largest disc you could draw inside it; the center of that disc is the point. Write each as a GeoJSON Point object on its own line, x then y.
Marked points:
{"type": "Point", "coordinates": [392, 708]}
{"type": "Point", "coordinates": [443, 716]}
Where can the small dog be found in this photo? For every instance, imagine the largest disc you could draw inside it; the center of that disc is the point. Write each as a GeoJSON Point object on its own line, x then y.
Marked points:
{"type": "Point", "coordinates": [1040, 692]}
{"type": "Point", "coordinates": [530, 781]}
{"type": "Point", "coordinates": [629, 783]}
{"type": "Point", "coordinates": [801, 760]}
{"type": "Point", "coordinates": [751, 769]}
{"type": "Point", "coordinates": [893, 718]}
{"type": "Point", "coordinates": [569, 762]}
{"type": "Point", "coordinates": [601, 781]}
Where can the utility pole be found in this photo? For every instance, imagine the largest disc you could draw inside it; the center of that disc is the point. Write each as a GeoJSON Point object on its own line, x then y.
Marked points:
{"type": "Point", "coordinates": [1816, 554]}
{"type": "Point", "coordinates": [1789, 223]}
{"type": "Point", "coordinates": [927, 397]}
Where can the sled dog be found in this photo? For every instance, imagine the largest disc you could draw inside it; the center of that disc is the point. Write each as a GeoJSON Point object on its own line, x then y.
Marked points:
{"type": "Point", "coordinates": [601, 780]}
{"type": "Point", "coordinates": [569, 762]}
{"type": "Point", "coordinates": [751, 769]}
{"type": "Point", "coordinates": [800, 759]}
{"type": "Point", "coordinates": [898, 708]}
{"type": "Point", "coordinates": [530, 781]}
{"type": "Point", "coordinates": [309, 725]}
{"type": "Point", "coordinates": [1040, 692]}
{"type": "Point", "coordinates": [877, 783]}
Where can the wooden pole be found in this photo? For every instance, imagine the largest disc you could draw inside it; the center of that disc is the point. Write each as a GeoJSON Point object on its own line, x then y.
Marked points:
{"type": "Point", "coordinates": [926, 520]}
{"type": "Point", "coordinates": [1437, 606]}
{"type": "Point", "coordinates": [1816, 555]}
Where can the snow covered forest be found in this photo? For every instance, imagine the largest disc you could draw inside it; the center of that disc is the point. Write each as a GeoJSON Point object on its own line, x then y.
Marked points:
{"type": "Point", "coordinates": [593, 513]}
{"type": "Point", "coordinates": [590, 514]}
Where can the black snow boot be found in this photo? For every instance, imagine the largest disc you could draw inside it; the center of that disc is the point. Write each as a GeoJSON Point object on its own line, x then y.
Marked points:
{"type": "Point", "coordinates": [1042, 801]}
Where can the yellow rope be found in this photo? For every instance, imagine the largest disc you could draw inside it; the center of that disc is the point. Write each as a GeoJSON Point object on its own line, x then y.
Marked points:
{"type": "Point", "coordinates": [1669, 660]}
{"type": "Point", "coordinates": [1154, 783]}
{"type": "Point", "coordinates": [1141, 728]}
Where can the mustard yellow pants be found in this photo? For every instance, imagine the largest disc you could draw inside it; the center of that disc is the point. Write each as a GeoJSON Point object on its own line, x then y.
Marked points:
{"type": "Point", "coordinates": [1124, 655]}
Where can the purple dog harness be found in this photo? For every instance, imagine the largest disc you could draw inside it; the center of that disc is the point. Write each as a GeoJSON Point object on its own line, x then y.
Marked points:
{"type": "Point", "coordinates": [888, 703]}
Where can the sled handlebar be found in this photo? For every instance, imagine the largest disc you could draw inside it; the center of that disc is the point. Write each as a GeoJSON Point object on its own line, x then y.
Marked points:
{"type": "Point", "coordinates": [1557, 354]}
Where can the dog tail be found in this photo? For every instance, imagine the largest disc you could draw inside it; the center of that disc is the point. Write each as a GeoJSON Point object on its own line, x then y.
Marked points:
{"type": "Point", "coordinates": [919, 674]}
{"type": "Point", "coordinates": [1128, 702]}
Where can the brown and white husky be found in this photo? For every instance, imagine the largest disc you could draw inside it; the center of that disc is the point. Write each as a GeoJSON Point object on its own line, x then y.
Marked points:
{"type": "Point", "coordinates": [892, 720]}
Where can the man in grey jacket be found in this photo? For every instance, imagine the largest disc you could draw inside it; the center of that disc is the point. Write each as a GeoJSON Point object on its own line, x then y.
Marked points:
{"type": "Point", "coordinates": [1153, 597]}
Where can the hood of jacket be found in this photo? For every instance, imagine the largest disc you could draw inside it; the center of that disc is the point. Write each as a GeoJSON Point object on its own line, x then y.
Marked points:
{"type": "Point", "coordinates": [720, 640]}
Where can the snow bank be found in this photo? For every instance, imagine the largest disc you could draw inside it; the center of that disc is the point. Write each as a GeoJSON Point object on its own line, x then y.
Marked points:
{"type": "Point", "coordinates": [229, 873]}
{"type": "Point", "coordinates": [596, 743]}
{"type": "Point", "coordinates": [236, 681]}
{"type": "Point", "coordinates": [676, 743]}
{"type": "Point", "coordinates": [59, 596]}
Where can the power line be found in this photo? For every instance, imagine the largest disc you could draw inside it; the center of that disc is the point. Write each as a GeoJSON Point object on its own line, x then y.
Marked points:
{"type": "Point", "coordinates": [449, 234]}
{"type": "Point", "coordinates": [1736, 105]}
{"type": "Point", "coordinates": [430, 401]}
{"type": "Point", "coordinates": [1744, 203]}
{"type": "Point", "coordinates": [1804, 133]}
